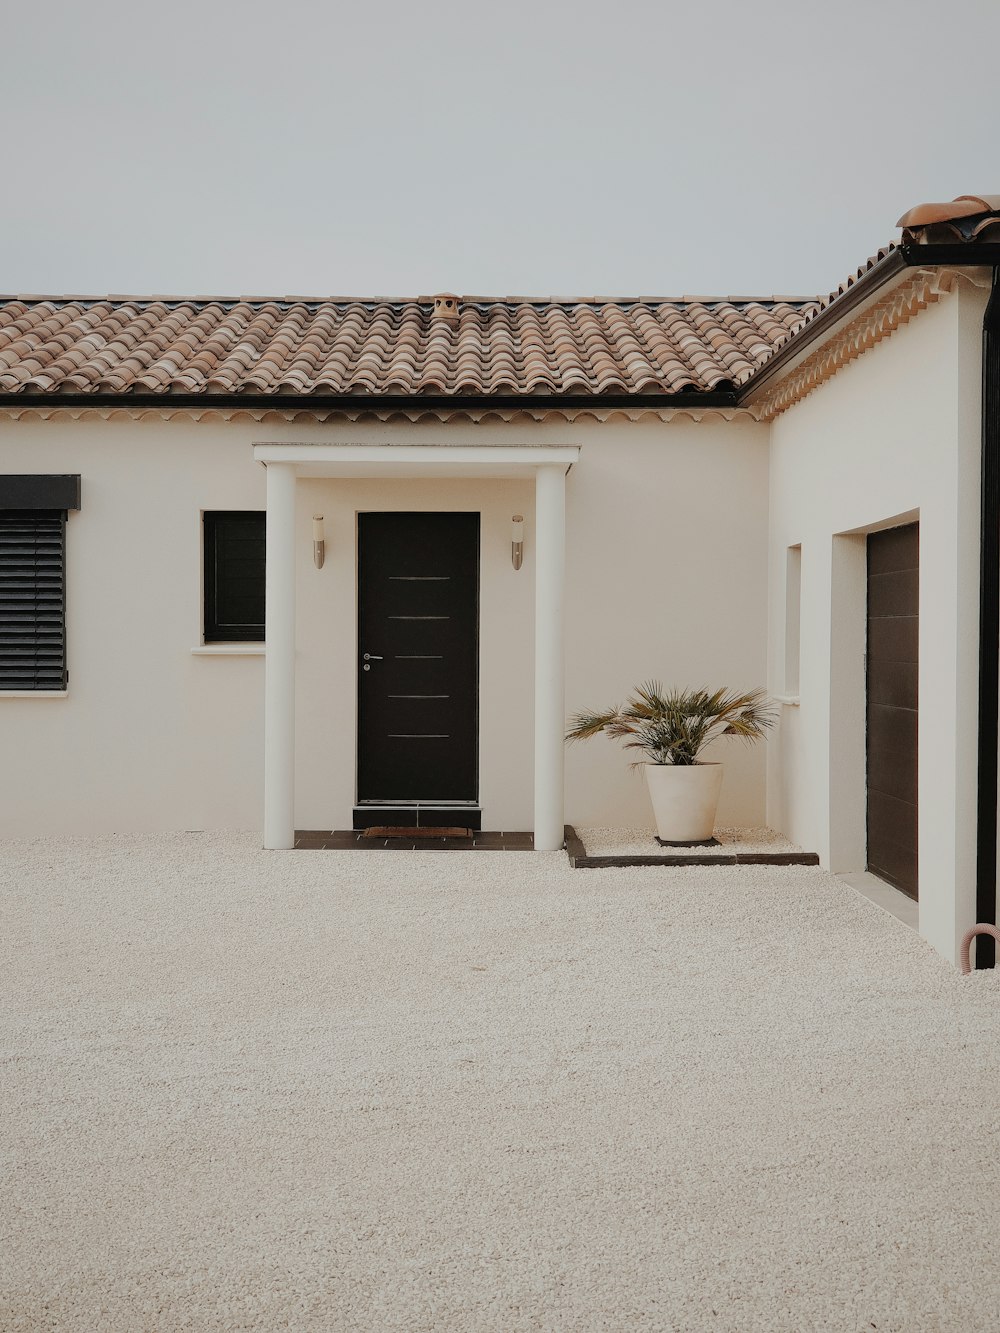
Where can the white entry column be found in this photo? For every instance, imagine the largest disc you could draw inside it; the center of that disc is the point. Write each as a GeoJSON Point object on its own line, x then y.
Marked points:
{"type": "Point", "coordinates": [279, 671]}
{"type": "Point", "coordinates": [550, 569]}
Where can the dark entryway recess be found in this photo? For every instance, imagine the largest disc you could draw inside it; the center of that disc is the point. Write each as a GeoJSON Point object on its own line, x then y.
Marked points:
{"type": "Point", "coordinates": [418, 645]}
{"type": "Point", "coordinates": [892, 677]}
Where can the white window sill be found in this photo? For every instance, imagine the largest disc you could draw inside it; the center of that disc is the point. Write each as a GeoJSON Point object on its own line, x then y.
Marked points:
{"type": "Point", "coordinates": [229, 650]}
{"type": "Point", "coordinates": [789, 700]}
{"type": "Point", "coordinates": [34, 694]}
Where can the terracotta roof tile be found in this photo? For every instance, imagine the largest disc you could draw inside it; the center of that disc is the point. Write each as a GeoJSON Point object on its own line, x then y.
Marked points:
{"type": "Point", "coordinates": [294, 346]}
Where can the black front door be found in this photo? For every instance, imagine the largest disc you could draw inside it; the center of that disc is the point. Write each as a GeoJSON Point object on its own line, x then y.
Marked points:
{"type": "Point", "coordinates": [418, 643]}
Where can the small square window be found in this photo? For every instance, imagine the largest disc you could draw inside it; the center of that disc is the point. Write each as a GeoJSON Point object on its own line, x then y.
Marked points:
{"type": "Point", "coordinates": [234, 576]}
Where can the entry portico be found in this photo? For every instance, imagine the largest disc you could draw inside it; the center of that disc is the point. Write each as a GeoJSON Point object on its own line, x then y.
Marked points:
{"type": "Point", "coordinates": [547, 465]}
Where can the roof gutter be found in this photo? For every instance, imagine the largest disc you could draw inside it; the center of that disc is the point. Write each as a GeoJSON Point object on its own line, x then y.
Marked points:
{"type": "Point", "coordinates": [887, 268]}
{"type": "Point", "coordinates": [877, 276]}
{"type": "Point", "coordinates": [376, 402]}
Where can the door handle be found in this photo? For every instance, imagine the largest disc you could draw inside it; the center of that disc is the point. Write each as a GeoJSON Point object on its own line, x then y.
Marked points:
{"type": "Point", "coordinates": [372, 657]}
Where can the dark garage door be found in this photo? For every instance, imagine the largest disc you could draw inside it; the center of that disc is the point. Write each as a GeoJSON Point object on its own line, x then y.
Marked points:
{"type": "Point", "coordinates": [893, 620]}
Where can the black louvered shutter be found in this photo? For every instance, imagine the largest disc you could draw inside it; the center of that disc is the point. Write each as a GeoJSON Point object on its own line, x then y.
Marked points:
{"type": "Point", "coordinates": [235, 542]}
{"type": "Point", "coordinates": [32, 599]}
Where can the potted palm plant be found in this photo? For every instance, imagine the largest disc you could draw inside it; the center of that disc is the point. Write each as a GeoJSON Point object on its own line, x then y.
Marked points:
{"type": "Point", "coordinates": [671, 728]}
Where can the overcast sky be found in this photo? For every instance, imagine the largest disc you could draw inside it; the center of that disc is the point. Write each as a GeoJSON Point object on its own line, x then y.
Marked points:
{"type": "Point", "coordinates": [552, 147]}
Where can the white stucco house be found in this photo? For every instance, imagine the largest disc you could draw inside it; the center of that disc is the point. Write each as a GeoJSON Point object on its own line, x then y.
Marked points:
{"type": "Point", "coordinates": [796, 493]}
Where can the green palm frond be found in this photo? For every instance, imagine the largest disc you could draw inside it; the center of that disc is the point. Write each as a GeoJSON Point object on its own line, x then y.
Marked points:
{"type": "Point", "coordinates": [674, 726]}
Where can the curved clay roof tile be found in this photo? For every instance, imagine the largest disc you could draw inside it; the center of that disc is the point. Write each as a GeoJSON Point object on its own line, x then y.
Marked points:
{"type": "Point", "coordinates": [501, 346]}
{"type": "Point", "coordinates": [965, 206]}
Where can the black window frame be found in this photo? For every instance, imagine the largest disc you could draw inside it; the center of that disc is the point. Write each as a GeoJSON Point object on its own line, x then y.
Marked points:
{"type": "Point", "coordinates": [216, 627]}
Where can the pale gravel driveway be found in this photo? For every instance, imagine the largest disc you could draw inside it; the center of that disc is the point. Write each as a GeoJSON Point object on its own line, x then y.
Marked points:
{"type": "Point", "coordinates": [441, 1091]}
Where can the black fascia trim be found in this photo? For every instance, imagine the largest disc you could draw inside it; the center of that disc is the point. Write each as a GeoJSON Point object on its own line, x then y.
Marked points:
{"type": "Point", "coordinates": [40, 491]}
{"type": "Point", "coordinates": [989, 634]}
{"type": "Point", "coordinates": [877, 276]}
{"type": "Point", "coordinates": [356, 402]}
{"type": "Point", "coordinates": [969, 255]}
{"type": "Point", "coordinates": [904, 256]}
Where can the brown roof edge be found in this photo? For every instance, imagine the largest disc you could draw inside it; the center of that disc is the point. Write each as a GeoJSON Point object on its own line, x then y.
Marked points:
{"type": "Point", "coordinates": [902, 257]}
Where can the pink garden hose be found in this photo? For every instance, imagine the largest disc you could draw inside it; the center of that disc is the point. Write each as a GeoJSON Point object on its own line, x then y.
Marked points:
{"type": "Point", "coordinates": [982, 928]}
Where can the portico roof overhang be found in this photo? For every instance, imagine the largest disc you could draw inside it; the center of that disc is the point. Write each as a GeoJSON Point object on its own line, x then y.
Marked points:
{"type": "Point", "coordinates": [286, 463]}
{"type": "Point", "coordinates": [416, 460]}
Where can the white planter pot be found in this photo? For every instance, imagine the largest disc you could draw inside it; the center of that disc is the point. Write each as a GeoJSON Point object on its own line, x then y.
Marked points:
{"type": "Point", "coordinates": [684, 799]}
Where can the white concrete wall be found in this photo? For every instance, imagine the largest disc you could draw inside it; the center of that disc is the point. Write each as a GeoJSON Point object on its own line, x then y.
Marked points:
{"type": "Point", "coordinates": [149, 737]}
{"type": "Point", "coordinates": [892, 437]}
{"type": "Point", "coordinates": [667, 552]}
{"type": "Point", "coordinates": [667, 560]}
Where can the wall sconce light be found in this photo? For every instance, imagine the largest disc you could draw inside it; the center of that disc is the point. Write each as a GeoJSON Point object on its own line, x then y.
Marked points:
{"type": "Point", "coordinates": [517, 540]}
{"type": "Point", "coordinates": [319, 541]}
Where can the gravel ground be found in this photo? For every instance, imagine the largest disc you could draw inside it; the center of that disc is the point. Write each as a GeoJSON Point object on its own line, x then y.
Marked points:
{"type": "Point", "coordinates": [337, 1091]}
{"type": "Point", "coordinates": [642, 842]}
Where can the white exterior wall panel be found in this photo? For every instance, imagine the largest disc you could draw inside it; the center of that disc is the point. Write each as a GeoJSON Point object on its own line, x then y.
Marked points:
{"type": "Point", "coordinates": [666, 575]}
{"type": "Point", "coordinates": [894, 436]}
{"type": "Point", "coordinates": [149, 737]}
{"type": "Point", "coordinates": [666, 557]}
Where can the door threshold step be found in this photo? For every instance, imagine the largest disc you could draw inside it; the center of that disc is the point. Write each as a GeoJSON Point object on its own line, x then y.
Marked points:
{"type": "Point", "coordinates": [423, 839]}
{"type": "Point", "coordinates": [449, 815]}
{"type": "Point", "coordinates": [419, 831]}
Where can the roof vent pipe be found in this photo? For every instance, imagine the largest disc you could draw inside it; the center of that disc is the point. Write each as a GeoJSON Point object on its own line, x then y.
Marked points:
{"type": "Point", "coordinates": [446, 308]}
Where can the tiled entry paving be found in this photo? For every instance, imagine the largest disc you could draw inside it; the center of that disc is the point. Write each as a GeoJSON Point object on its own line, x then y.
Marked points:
{"type": "Point", "coordinates": [347, 840]}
